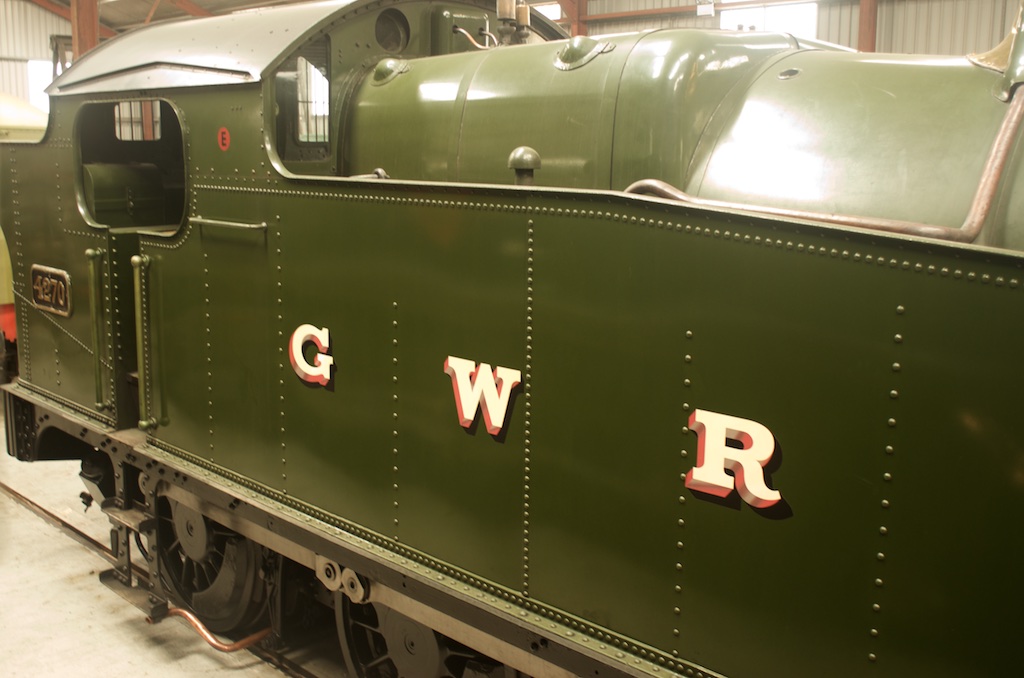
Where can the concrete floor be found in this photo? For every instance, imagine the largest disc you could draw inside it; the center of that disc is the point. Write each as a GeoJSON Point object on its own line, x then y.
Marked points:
{"type": "Point", "coordinates": [57, 618]}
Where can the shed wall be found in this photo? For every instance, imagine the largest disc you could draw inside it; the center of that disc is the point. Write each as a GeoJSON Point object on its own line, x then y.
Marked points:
{"type": "Point", "coordinates": [904, 26]}
{"type": "Point", "coordinates": [25, 30]}
{"type": "Point", "coordinates": [922, 26]}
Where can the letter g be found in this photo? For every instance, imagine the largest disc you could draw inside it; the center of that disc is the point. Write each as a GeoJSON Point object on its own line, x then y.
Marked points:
{"type": "Point", "coordinates": [320, 371]}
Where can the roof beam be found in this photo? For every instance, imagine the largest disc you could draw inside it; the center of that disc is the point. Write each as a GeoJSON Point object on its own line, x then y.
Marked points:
{"type": "Point", "coordinates": [190, 7]}
{"type": "Point", "coordinates": [575, 11]}
{"type": "Point", "coordinates": [85, 26]}
{"type": "Point", "coordinates": [65, 12]}
{"type": "Point", "coordinates": [867, 33]}
{"type": "Point", "coordinates": [152, 11]}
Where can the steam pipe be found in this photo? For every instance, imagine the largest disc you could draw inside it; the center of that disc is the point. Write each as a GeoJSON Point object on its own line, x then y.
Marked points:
{"type": "Point", "coordinates": [977, 215]}
{"type": "Point", "coordinates": [472, 40]}
{"type": "Point", "coordinates": [242, 644]}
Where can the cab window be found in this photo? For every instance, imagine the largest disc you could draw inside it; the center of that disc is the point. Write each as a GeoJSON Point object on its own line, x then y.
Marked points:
{"type": "Point", "coordinates": [302, 109]}
{"type": "Point", "coordinates": [132, 170]}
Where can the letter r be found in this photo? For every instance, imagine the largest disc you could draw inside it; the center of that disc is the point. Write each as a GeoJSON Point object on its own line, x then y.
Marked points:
{"type": "Point", "coordinates": [715, 456]}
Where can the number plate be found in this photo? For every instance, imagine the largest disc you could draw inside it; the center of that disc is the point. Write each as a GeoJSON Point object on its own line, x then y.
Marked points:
{"type": "Point", "coordinates": [51, 290]}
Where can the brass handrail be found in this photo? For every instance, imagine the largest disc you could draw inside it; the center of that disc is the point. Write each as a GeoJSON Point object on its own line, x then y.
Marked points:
{"type": "Point", "coordinates": [95, 257]}
{"type": "Point", "coordinates": [977, 215]}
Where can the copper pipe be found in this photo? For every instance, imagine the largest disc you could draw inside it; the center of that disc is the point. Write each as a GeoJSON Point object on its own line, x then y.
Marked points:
{"type": "Point", "coordinates": [977, 215]}
{"type": "Point", "coordinates": [242, 644]}
{"type": "Point", "coordinates": [472, 41]}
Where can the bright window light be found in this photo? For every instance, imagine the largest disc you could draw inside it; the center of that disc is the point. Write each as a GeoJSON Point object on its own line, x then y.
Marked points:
{"type": "Point", "coordinates": [314, 101]}
{"type": "Point", "coordinates": [551, 10]}
{"type": "Point", "coordinates": [40, 75]}
{"type": "Point", "coordinates": [800, 19]}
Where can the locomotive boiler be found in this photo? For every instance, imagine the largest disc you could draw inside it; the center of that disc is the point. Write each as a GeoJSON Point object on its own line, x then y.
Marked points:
{"type": "Point", "coordinates": [679, 353]}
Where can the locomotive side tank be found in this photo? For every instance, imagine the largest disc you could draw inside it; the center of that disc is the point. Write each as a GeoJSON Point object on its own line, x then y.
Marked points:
{"type": "Point", "coordinates": [730, 389]}
{"type": "Point", "coordinates": [730, 117]}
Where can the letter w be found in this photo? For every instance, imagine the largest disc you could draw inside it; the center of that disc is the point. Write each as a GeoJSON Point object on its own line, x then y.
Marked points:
{"type": "Point", "coordinates": [475, 385]}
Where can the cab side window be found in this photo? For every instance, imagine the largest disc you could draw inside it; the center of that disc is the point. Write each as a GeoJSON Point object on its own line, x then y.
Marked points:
{"type": "Point", "coordinates": [132, 163]}
{"type": "Point", "coordinates": [302, 96]}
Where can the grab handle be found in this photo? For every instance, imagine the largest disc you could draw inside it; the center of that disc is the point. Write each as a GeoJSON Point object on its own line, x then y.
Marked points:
{"type": "Point", "coordinates": [95, 257]}
{"type": "Point", "coordinates": [140, 262]}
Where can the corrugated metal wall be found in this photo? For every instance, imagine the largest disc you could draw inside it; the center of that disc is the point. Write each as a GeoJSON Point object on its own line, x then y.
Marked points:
{"type": "Point", "coordinates": [25, 30]}
{"type": "Point", "coordinates": [944, 26]}
{"type": "Point", "coordinates": [839, 22]}
{"type": "Point", "coordinates": [922, 26]}
{"type": "Point", "coordinates": [689, 20]}
{"type": "Point", "coordinates": [905, 26]}
{"type": "Point", "coordinates": [667, 21]}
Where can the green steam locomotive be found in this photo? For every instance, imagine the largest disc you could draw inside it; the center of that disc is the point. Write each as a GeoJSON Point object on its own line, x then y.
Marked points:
{"type": "Point", "coordinates": [489, 342]}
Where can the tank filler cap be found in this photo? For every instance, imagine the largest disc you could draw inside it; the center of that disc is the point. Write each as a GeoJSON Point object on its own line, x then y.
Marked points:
{"type": "Point", "coordinates": [387, 70]}
{"type": "Point", "coordinates": [525, 161]}
{"type": "Point", "coordinates": [580, 51]}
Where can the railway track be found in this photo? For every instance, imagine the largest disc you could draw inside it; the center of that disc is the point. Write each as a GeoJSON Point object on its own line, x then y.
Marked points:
{"type": "Point", "coordinates": [312, 660]}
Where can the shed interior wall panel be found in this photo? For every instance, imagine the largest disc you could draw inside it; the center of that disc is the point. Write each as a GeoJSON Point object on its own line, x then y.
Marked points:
{"type": "Point", "coordinates": [25, 30]}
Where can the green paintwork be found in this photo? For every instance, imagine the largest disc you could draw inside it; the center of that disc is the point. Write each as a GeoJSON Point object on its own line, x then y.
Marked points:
{"type": "Point", "coordinates": [885, 366]}
{"type": "Point", "coordinates": [19, 122]}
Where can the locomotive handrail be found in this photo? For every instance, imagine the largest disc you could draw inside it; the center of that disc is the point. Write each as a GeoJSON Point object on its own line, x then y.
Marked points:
{"type": "Point", "coordinates": [146, 422]}
{"type": "Point", "coordinates": [968, 232]}
{"type": "Point", "coordinates": [95, 308]}
{"type": "Point", "coordinates": [200, 221]}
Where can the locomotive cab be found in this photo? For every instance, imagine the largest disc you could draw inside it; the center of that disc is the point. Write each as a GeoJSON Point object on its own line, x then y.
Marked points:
{"type": "Point", "coordinates": [312, 93]}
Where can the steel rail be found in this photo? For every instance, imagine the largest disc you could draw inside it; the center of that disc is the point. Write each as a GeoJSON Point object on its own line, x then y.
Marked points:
{"type": "Point", "coordinates": [282, 663]}
{"type": "Point", "coordinates": [56, 521]}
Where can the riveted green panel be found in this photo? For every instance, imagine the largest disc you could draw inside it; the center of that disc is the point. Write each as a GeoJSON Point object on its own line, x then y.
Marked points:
{"type": "Point", "coordinates": [464, 102]}
{"type": "Point", "coordinates": [393, 299]}
{"type": "Point", "coordinates": [814, 337]}
{"type": "Point", "coordinates": [45, 229]}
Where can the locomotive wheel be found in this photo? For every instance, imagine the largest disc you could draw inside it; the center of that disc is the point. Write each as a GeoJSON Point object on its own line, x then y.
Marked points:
{"type": "Point", "coordinates": [210, 569]}
{"type": "Point", "coordinates": [381, 643]}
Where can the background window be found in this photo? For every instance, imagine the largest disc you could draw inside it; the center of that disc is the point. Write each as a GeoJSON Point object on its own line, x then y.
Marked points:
{"type": "Point", "coordinates": [313, 100]}
{"type": "Point", "coordinates": [800, 19]}
{"type": "Point", "coordinates": [551, 10]}
{"type": "Point", "coordinates": [137, 121]}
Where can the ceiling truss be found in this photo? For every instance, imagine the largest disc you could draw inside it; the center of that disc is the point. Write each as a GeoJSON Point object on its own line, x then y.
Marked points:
{"type": "Point", "coordinates": [91, 22]}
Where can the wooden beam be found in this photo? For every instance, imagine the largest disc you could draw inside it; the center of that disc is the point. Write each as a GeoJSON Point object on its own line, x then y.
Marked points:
{"type": "Point", "coordinates": [85, 26]}
{"type": "Point", "coordinates": [575, 11]}
{"type": "Point", "coordinates": [65, 12]}
{"type": "Point", "coordinates": [152, 11]}
{"type": "Point", "coordinates": [191, 8]}
{"type": "Point", "coordinates": [867, 35]}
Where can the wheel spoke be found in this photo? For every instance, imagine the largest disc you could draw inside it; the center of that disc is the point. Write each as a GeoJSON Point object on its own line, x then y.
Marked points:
{"type": "Point", "coordinates": [193, 557]}
{"type": "Point", "coordinates": [209, 574]}
{"type": "Point", "coordinates": [379, 642]}
{"type": "Point", "coordinates": [369, 626]}
{"type": "Point", "coordinates": [369, 666]}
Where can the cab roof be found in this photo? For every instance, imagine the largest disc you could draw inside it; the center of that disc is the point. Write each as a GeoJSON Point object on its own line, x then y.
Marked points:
{"type": "Point", "coordinates": [220, 50]}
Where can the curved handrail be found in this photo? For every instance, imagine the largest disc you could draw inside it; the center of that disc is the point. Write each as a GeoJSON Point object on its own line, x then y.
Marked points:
{"type": "Point", "coordinates": [977, 215]}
